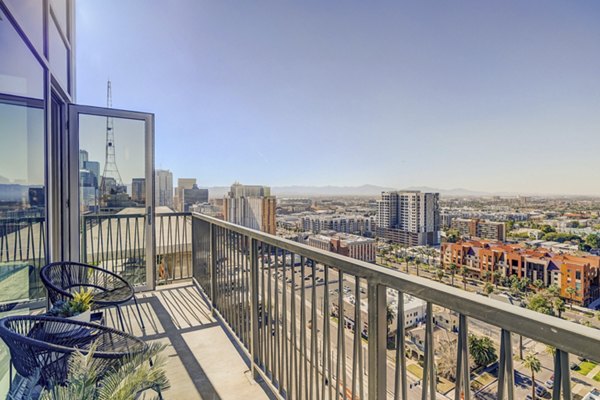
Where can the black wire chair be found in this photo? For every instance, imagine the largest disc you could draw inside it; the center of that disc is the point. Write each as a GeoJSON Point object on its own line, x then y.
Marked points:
{"type": "Point", "coordinates": [64, 278]}
{"type": "Point", "coordinates": [43, 345]}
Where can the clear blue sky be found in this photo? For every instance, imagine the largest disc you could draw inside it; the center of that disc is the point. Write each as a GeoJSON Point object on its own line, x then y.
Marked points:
{"type": "Point", "coordinates": [493, 96]}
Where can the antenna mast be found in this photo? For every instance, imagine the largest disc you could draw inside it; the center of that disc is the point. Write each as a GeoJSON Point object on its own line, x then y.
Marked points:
{"type": "Point", "coordinates": [111, 178]}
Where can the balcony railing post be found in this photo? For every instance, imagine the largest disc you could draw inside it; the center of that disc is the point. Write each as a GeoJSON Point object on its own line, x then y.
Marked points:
{"type": "Point", "coordinates": [213, 268]}
{"type": "Point", "coordinates": [377, 341]}
{"type": "Point", "coordinates": [254, 304]}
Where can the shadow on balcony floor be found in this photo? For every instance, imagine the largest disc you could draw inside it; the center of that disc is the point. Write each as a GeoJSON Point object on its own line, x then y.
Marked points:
{"type": "Point", "coordinates": [203, 363]}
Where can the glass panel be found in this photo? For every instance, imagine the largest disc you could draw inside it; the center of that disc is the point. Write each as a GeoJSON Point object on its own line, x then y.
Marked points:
{"type": "Point", "coordinates": [60, 11]}
{"type": "Point", "coordinates": [112, 189]}
{"type": "Point", "coordinates": [59, 57]}
{"type": "Point", "coordinates": [20, 73]}
{"type": "Point", "coordinates": [22, 213]}
{"type": "Point", "coordinates": [30, 17]}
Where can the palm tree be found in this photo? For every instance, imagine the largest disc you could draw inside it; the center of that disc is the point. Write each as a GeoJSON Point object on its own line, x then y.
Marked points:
{"type": "Point", "coordinates": [524, 284]}
{"type": "Point", "coordinates": [440, 274]}
{"type": "Point", "coordinates": [482, 350]}
{"type": "Point", "coordinates": [533, 364]}
{"type": "Point", "coordinates": [464, 271]}
{"type": "Point", "coordinates": [496, 277]}
{"type": "Point", "coordinates": [417, 263]}
{"type": "Point", "coordinates": [134, 376]}
{"type": "Point", "coordinates": [558, 306]}
{"type": "Point", "coordinates": [488, 288]}
{"type": "Point", "coordinates": [453, 268]}
{"type": "Point", "coordinates": [485, 275]}
{"type": "Point", "coordinates": [389, 317]}
{"type": "Point", "coordinates": [538, 284]}
{"type": "Point", "coordinates": [571, 292]}
{"type": "Point", "coordinates": [554, 290]}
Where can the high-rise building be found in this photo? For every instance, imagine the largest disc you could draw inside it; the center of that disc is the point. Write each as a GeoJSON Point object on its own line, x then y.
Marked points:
{"type": "Point", "coordinates": [477, 228]}
{"type": "Point", "coordinates": [164, 188]}
{"type": "Point", "coordinates": [182, 184]}
{"type": "Point", "coordinates": [83, 158]}
{"type": "Point", "coordinates": [193, 196]}
{"type": "Point", "coordinates": [251, 206]}
{"type": "Point", "coordinates": [411, 218]}
{"type": "Point", "coordinates": [138, 190]}
{"type": "Point", "coordinates": [94, 168]}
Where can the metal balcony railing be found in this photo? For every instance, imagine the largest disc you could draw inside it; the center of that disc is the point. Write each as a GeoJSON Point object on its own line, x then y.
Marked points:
{"type": "Point", "coordinates": [22, 254]}
{"type": "Point", "coordinates": [291, 308]}
{"type": "Point", "coordinates": [118, 243]}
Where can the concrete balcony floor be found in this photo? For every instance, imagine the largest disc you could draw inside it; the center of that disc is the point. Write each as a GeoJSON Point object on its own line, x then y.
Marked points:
{"type": "Point", "coordinates": [203, 362]}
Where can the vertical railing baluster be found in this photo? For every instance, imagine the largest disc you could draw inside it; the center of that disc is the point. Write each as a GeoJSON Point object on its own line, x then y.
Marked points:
{"type": "Point", "coordinates": [400, 384]}
{"type": "Point", "coordinates": [213, 268]}
{"type": "Point", "coordinates": [565, 374]}
{"type": "Point", "coordinates": [270, 359]}
{"type": "Point", "coordinates": [303, 374]}
{"type": "Point", "coordinates": [278, 349]}
{"type": "Point", "coordinates": [254, 301]}
{"type": "Point", "coordinates": [505, 367]}
{"type": "Point", "coordinates": [326, 369]}
{"type": "Point", "coordinates": [377, 341]}
{"type": "Point", "coordinates": [314, 364]}
{"type": "Point", "coordinates": [293, 327]}
{"type": "Point", "coordinates": [284, 329]}
{"type": "Point", "coordinates": [462, 390]}
{"type": "Point", "coordinates": [429, 376]}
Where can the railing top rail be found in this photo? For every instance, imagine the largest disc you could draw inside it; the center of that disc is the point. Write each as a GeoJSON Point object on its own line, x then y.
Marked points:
{"type": "Point", "coordinates": [564, 335]}
{"type": "Point", "coordinates": [140, 215]}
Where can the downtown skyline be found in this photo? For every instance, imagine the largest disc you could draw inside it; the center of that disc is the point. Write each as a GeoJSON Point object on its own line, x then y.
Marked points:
{"type": "Point", "coordinates": [487, 97]}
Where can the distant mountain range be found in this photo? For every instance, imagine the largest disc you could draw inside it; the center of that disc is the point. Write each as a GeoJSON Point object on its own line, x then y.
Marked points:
{"type": "Point", "coordinates": [364, 190]}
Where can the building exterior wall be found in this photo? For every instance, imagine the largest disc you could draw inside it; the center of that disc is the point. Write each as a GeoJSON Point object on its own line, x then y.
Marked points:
{"type": "Point", "coordinates": [582, 273]}
{"type": "Point", "coordinates": [242, 207]}
{"type": "Point", "coordinates": [476, 228]}
{"type": "Point", "coordinates": [164, 188]}
{"type": "Point", "coordinates": [411, 218]}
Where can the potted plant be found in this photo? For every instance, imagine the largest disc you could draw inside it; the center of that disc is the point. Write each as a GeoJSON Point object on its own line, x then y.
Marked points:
{"type": "Point", "coordinates": [77, 309]}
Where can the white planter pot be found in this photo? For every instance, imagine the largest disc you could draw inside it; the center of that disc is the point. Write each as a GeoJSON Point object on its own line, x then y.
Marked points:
{"type": "Point", "coordinates": [61, 328]}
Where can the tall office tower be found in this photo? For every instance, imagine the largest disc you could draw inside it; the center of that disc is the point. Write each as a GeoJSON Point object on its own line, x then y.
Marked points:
{"type": "Point", "coordinates": [83, 158]}
{"type": "Point", "coordinates": [411, 218]}
{"type": "Point", "coordinates": [182, 183]}
{"type": "Point", "coordinates": [138, 190]}
{"type": "Point", "coordinates": [251, 206]}
{"type": "Point", "coordinates": [93, 167]}
{"type": "Point", "coordinates": [193, 196]}
{"type": "Point", "coordinates": [164, 188]}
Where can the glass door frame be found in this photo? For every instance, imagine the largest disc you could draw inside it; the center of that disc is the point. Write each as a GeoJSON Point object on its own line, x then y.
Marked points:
{"type": "Point", "coordinates": [75, 110]}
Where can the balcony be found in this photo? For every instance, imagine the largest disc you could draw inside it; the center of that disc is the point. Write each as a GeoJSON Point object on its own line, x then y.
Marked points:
{"type": "Point", "coordinates": [247, 313]}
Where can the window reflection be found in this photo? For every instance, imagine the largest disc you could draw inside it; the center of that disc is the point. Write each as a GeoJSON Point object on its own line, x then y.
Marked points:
{"type": "Point", "coordinates": [20, 72]}
{"type": "Point", "coordinates": [22, 203]}
{"type": "Point", "coordinates": [58, 56]}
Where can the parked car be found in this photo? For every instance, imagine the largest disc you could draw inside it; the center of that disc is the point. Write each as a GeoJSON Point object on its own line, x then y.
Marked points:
{"type": "Point", "coordinates": [549, 383]}
{"type": "Point", "coordinates": [540, 390]}
{"type": "Point", "coordinates": [573, 366]}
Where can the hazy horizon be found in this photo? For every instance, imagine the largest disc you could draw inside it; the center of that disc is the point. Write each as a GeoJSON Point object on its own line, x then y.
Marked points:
{"type": "Point", "coordinates": [493, 97]}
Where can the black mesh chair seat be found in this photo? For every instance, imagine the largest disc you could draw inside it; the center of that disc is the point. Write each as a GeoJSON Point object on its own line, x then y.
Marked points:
{"type": "Point", "coordinates": [45, 344]}
{"type": "Point", "coordinates": [113, 296]}
{"type": "Point", "coordinates": [64, 278]}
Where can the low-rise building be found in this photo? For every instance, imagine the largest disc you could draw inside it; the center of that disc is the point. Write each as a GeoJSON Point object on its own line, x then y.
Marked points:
{"type": "Point", "coordinates": [478, 228]}
{"type": "Point", "coordinates": [581, 272]}
{"type": "Point", "coordinates": [358, 247]}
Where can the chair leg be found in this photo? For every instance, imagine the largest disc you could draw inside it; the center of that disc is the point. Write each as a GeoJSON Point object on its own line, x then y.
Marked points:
{"type": "Point", "coordinates": [139, 313]}
{"type": "Point", "coordinates": [120, 318]}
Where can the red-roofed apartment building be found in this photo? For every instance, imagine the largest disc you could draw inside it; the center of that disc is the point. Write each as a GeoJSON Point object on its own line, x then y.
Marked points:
{"type": "Point", "coordinates": [563, 270]}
